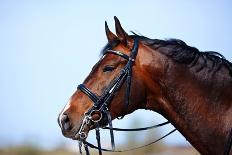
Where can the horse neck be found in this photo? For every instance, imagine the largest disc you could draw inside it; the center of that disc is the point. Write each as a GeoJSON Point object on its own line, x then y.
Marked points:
{"type": "Point", "coordinates": [189, 105]}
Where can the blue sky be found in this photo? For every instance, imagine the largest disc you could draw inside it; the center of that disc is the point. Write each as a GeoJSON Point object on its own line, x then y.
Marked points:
{"type": "Point", "coordinates": [48, 47]}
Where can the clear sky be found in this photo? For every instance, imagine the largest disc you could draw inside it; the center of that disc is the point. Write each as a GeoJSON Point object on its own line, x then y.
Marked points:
{"type": "Point", "coordinates": [48, 47]}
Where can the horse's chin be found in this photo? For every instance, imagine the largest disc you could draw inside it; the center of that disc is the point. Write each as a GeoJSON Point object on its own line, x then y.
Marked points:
{"type": "Point", "coordinates": [75, 132]}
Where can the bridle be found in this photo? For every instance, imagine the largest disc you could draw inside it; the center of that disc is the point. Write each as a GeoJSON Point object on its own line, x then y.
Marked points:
{"type": "Point", "coordinates": [101, 103]}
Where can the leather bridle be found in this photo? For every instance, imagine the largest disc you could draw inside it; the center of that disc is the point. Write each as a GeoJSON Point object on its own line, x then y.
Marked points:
{"type": "Point", "coordinates": [101, 103]}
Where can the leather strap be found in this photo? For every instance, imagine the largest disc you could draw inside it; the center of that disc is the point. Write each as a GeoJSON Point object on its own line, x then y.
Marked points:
{"type": "Point", "coordinates": [133, 55]}
{"type": "Point", "coordinates": [98, 138]}
{"type": "Point", "coordinates": [135, 148]}
{"type": "Point", "coordinates": [111, 129]}
{"type": "Point", "coordinates": [228, 144]}
{"type": "Point", "coordinates": [139, 129]}
{"type": "Point", "coordinates": [80, 147]}
{"type": "Point", "coordinates": [119, 54]}
{"type": "Point", "coordinates": [86, 148]}
{"type": "Point", "coordinates": [88, 92]}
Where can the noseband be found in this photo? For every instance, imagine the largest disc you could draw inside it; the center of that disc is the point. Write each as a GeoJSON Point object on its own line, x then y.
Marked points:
{"type": "Point", "coordinates": [101, 103]}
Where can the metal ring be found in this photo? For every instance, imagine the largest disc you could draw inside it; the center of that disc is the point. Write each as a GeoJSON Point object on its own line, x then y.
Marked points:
{"type": "Point", "coordinates": [82, 135]}
{"type": "Point", "coordinates": [95, 112]}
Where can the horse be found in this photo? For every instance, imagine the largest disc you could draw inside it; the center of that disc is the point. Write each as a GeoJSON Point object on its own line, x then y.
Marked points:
{"type": "Point", "coordinates": [190, 88]}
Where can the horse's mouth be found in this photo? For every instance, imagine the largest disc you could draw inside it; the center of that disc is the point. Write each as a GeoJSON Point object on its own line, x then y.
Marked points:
{"type": "Point", "coordinates": [78, 135]}
{"type": "Point", "coordinates": [86, 129]}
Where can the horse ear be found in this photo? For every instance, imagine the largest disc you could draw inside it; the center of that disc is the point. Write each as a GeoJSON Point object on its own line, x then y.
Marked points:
{"type": "Point", "coordinates": [122, 35]}
{"type": "Point", "coordinates": [110, 36]}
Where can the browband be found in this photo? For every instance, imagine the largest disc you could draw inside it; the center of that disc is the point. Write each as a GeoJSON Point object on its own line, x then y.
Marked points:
{"type": "Point", "coordinates": [118, 53]}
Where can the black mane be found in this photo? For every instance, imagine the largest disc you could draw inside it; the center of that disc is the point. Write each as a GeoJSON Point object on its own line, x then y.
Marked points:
{"type": "Point", "coordinates": [179, 51]}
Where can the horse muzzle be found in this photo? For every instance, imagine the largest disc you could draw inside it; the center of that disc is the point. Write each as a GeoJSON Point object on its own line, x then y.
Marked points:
{"type": "Point", "coordinates": [71, 129]}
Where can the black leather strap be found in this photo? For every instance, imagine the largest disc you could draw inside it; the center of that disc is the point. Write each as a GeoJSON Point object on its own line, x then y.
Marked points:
{"type": "Point", "coordinates": [86, 148]}
{"type": "Point", "coordinates": [110, 128]}
{"type": "Point", "coordinates": [135, 48]}
{"type": "Point", "coordinates": [128, 87]}
{"type": "Point", "coordinates": [119, 54]}
{"type": "Point", "coordinates": [88, 92]}
{"type": "Point", "coordinates": [80, 147]}
{"type": "Point", "coordinates": [139, 129]}
{"type": "Point", "coordinates": [135, 148]}
{"type": "Point", "coordinates": [228, 144]}
{"type": "Point", "coordinates": [98, 138]}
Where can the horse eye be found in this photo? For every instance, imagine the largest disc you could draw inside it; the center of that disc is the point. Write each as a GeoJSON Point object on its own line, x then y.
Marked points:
{"type": "Point", "coordinates": [108, 69]}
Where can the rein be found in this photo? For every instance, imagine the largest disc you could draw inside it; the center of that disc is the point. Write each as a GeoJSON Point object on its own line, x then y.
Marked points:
{"type": "Point", "coordinates": [228, 145]}
{"type": "Point", "coordinates": [100, 106]}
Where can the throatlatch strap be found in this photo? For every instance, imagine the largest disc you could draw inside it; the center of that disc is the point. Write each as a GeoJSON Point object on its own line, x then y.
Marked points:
{"type": "Point", "coordinates": [111, 129]}
{"type": "Point", "coordinates": [128, 88]}
{"type": "Point", "coordinates": [133, 55]}
{"type": "Point", "coordinates": [98, 138]}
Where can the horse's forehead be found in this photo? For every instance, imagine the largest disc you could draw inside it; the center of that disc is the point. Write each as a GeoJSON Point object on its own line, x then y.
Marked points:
{"type": "Point", "coordinates": [112, 57]}
{"type": "Point", "coordinates": [124, 49]}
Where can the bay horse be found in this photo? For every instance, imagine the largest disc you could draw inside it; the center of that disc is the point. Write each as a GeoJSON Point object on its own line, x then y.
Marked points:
{"type": "Point", "coordinates": [191, 89]}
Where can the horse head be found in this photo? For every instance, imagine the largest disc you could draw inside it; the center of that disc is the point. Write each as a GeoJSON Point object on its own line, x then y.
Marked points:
{"type": "Point", "coordinates": [192, 89]}
{"type": "Point", "coordinates": [115, 57]}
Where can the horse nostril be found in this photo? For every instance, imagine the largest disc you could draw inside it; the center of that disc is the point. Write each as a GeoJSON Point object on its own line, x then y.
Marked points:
{"type": "Point", "coordinates": [65, 122]}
